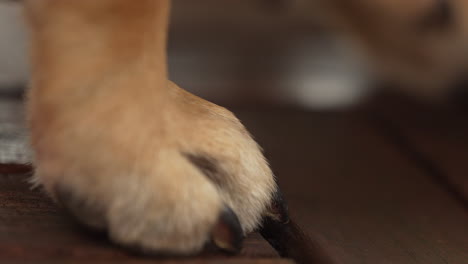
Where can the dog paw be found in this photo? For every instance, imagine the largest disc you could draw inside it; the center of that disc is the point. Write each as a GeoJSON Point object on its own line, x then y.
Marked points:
{"type": "Point", "coordinates": [167, 177]}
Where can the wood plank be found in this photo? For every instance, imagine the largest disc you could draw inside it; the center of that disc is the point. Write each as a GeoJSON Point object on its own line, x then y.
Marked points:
{"type": "Point", "coordinates": [359, 199]}
{"type": "Point", "coordinates": [434, 134]}
{"type": "Point", "coordinates": [354, 192]}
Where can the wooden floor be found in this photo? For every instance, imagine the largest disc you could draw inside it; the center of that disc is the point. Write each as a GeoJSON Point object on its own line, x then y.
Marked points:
{"type": "Point", "coordinates": [370, 185]}
{"type": "Point", "coordinates": [385, 182]}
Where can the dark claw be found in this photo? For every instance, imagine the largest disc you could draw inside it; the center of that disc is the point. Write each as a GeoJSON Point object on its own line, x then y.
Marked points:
{"type": "Point", "coordinates": [227, 235]}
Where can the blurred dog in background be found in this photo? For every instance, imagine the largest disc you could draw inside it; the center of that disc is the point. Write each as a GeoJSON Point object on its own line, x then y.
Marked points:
{"type": "Point", "coordinates": [419, 46]}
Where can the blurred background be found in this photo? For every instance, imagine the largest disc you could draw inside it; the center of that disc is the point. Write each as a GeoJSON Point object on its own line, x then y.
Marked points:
{"type": "Point", "coordinates": [313, 53]}
{"type": "Point", "coordinates": [310, 53]}
{"type": "Point", "coordinates": [234, 52]}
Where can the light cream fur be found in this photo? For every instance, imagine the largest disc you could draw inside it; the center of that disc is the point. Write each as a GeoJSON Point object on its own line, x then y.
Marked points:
{"type": "Point", "coordinates": [108, 127]}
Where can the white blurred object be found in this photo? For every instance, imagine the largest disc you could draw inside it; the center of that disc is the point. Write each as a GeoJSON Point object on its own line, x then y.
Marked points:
{"type": "Point", "coordinates": [13, 136]}
{"type": "Point", "coordinates": [13, 51]}
{"type": "Point", "coordinates": [331, 75]}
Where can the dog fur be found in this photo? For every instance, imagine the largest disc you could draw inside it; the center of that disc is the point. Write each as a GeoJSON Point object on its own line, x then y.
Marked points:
{"type": "Point", "coordinates": [122, 147]}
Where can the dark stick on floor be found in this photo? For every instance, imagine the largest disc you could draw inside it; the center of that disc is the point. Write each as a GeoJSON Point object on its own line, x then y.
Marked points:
{"type": "Point", "coordinates": [291, 242]}
{"type": "Point", "coordinates": [287, 238]}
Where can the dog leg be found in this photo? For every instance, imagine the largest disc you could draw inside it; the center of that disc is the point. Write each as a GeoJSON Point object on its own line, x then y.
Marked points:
{"type": "Point", "coordinates": [125, 150]}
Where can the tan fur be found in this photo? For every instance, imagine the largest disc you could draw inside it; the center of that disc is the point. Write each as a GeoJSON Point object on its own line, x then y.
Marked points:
{"type": "Point", "coordinates": [108, 126]}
